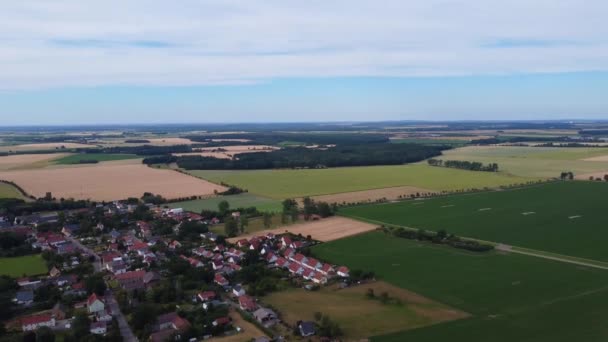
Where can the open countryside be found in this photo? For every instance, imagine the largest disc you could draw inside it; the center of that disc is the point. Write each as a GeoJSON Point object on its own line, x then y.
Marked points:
{"type": "Point", "coordinates": [564, 217]}
{"type": "Point", "coordinates": [503, 292]}
{"type": "Point", "coordinates": [298, 183]}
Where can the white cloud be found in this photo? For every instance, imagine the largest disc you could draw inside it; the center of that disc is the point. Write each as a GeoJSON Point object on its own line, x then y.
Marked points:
{"type": "Point", "coordinates": [150, 42]}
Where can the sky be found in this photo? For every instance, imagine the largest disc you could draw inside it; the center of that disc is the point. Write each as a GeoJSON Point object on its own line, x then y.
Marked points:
{"type": "Point", "coordinates": [198, 61]}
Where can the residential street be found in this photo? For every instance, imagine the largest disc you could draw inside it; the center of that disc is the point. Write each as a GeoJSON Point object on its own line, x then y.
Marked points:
{"type": "Point", "coordinates": [125, 329]}
{"type": "Point", "coordinates": [97, 263]}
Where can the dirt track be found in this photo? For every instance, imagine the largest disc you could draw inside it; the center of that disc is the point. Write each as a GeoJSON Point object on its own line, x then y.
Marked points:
{"type": "Point", "coordinates": [328, 229]}
{"type": "Point", "coordinates": [109, 181]}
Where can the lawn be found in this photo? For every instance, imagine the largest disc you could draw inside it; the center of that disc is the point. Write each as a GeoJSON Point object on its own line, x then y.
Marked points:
{"type": "Point", "coordinates": [544, 162]}
{"type": "Point", "coordinates": [281, 184]}
{"type": "Point", "coordinates": [244, 200]}
{"type": "Point", "coordinates": [9, 191]}
{"type": "Point", "coordinates": [511, 297]}
{"type": "Point", "coordinates": [100, 157]}
{"type": "Point", "coordinates": [358, 315]}
{"type": "Point", "coordinates": [18, 266]}
{"type": "Point", "coordinates": [563, 217]}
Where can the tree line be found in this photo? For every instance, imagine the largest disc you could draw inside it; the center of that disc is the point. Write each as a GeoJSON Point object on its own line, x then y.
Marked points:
{"type": "Point", "coordinates": [464, 165]}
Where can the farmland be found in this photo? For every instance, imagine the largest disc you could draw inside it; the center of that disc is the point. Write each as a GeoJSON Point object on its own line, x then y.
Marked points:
{"type": "Point", "coordinates": [244, 200]}
{"type": "Point", "coordinates": [28, 161]}
{"type": "Point", "coordinates": [564, 217]}
{"type": "Point", "coordinates": [109, 181]}
{"type": "Point", "coordinates": [281, 184]}
{"type": "Point", "coordinates": [544, 162]}
{"type": "Point", "coordinates": [18, 266]}
{"type": "Point", "coordinates": [358, 315]}
{"type": "Point", "coordinates": [329, 229]}
{"type": "Point", "coordinates": [98, 157]}
{"type": "Point", "coordinates": [511, 297]}
{"type": "Point", "coordinates": [9, 191]}
{"type": "Point", "coordinates": [43, 147]}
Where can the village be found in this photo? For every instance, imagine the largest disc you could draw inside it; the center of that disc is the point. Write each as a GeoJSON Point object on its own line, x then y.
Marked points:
{"type": "Point", "coordinates": [134, 272]}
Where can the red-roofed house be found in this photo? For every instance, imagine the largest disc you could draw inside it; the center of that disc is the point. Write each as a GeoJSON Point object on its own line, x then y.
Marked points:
{"type": "Point", "coordinates": [343, 271]}
{"type": "Point", "coordinates": [31, 323]}
{"type": "Point", "coordinates": [319, 278]}
{"type": "Point", "coordinates": [282, 262]}
{"type": "Point", "coordinates": [95, 304]}
{"type": "Point", "coordinates": [131, 280]}
{"type": "Point", "coordinates": [295, 268]}
{"type": "Point", "coordinates": [247, 303]}
{"type": "Point", "coordinates": [220, 280]}
{"type": "Point", "coordinates": [206, 296]}
{"type": "Point", "coordinates": [327, 269]}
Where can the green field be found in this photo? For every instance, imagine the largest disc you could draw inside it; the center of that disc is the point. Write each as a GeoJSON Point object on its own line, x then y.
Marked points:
{"type": "Point", "coordinates": [428, 141]}
{"type": "Point", "coordinates": [9, 191]}
{"type": "Point", "coordinates": [563, 217]}
{"type": "Point", "coordinates": [18, 266]}
{"type": "Point", "coordinates": [100, 157]}
{"type": "Point", "coordinates": [281, 184]}
{"type": "Point", "coordinates": [244, 200]}
{"type": "Point", "coordinates": [545, 162]}
{"type": "Point", "coordinates": [511, 297]}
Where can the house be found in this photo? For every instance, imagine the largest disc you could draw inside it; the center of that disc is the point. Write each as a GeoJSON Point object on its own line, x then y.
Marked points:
{"type": "Point", "coordinates": [66, 279]}
{"type": "Point", "coordinates": [319, 278]}
{"type": "Point", "coordinates": [288, 253]}
{"type": "Point", "coordinates": [308, 274]}
{"type": "Point", "coordinates": [24, 297]}
{"type": "Point", "coordinates": [66, 248]}
{"type": "Point", "coordinates": [344, 272]}
{"type": "Point", "coordinates": [175, 244]}
{"type": "Point", "coordinates": [172, 321]}
{"type": "Point", "coordinates": [220, 280]}
{"type": "Point", "coordinates": [306, 328]}
{"type": "Point", "coordinates": [271, 258]}
{"type": "Point", "coordinates": [206, 296]}
{"type": "Point", "coordinates": [209, 236]}
{"type": "Point", "coordinates": [238, 291]}
{"type": "Point", "coordinates": [98, 328]}
{"type": "Point", "coordinates": [242, 243]}
{"type": "Point", "coordinates": [131, 280]}
{"type": "Point", "coordinates": [313, 263]}
{"type": "Point", "coordinates": [266, 317]}
{"type": "Point", "coordinates": [327, 269]}
{"type": "Point", "coordinates": [151, 278]}
{"type": "Point", "coordinates": [95, 304]}
{"type": "Point", "coordinates": [282, 262]}
{"type": "Point", "coordinates": [70, 229]}
{"type": "Point", "coordinates": [104, 316]}
{"type": "Point", "coordinates": [286, 241]}
{"type": "Point", "coordinates": [221, 321]}
{"type": "Point", "coordinates": [54, 272]}
{"type": "Point", "coordinates": [295, 269]}
{"type": "Point", "coordinates": [299, 258]}
{"type": "Point", "coordinates": [247, 303]}
{"type": "Point", "coordinates": [59, 311]}
{"type": "Point", "coordinates": [217, 265]}
{"type": "Point", "coordinates": [31, 323]}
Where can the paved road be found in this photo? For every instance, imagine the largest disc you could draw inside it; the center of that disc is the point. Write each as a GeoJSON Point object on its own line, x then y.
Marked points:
{"type": "Point", "coordinates": [507, 248]}
{"type": "Point", "coordinates": [125, 329]}
{"type": "Point", "coordinates": [97, 262]}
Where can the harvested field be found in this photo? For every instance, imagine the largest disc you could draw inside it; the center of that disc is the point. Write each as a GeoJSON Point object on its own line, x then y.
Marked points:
{"type": "Point", "coordinates": [360, 316]}
{"type": "Point", "coordinates": [170, 141]}
{"type": "Point", "coordinates": [219, 155]}
{"type": "Point", "coordinates": [42, 147]}
{"type": "Point", "coordinates": [328, 229]}
{"type": "Point", "coordinates": [598, 158]}
{"type": "Point", "coordinates": [24, 161]}
{"type": "Point", "coordinates": [595, 175]}
{"type": "Point", "coordinates": [109, 181]}
{"type": "Point", "coordinates": [228, 152]}
{"type": "Point", "coordinates": [372, 195]}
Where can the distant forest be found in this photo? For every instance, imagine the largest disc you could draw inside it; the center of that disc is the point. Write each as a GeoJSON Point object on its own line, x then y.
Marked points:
{"type": "Point", "coordinates": [302, 157]}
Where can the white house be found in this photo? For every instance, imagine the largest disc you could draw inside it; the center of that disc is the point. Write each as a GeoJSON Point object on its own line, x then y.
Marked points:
{"type": "Point", "coordinates": [31, 323]}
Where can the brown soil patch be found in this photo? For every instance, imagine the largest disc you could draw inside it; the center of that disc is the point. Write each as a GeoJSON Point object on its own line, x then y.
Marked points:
{"type": "Point", "coordinates": [42, 147]}
{"type": "Point", "coordinates": [23, 161]}
{"type": "Point", "coordinates": [597, 159]}
{"type": "Point", "coordinates": [109, 181]}
{"type": "Point", "coordinates": [372, 195]}
{"type": "Point", "coordinates": [328, 229]}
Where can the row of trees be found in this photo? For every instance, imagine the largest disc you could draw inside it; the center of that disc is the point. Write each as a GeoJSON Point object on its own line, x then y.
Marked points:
{"type": "Point", "coordinates": [440, 237]}
{"type": "Point", "coordinates": [464, 165]}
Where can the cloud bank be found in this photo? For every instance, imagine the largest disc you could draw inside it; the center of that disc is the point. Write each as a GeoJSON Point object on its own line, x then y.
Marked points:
{"type": "Point", "coordinates": [62, 43]}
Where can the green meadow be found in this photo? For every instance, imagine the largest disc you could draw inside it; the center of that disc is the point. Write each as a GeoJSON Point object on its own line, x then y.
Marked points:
{"type": "Point", "coordinates": [281, 184]}
{"type": "Point", "coordinates": [244, 200]}
{"type": "Point", "coordinates": [510, 297]}
{"type": "Point", "coordinates": [100, 157]}
{"type": "Point", "coordinates": [562, 217]}
{"type": "Point", "coordinates": [24, 265]}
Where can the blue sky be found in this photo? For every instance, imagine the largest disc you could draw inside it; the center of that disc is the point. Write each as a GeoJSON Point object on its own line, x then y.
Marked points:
{"type": "Point", "coordinates": [152, 61]}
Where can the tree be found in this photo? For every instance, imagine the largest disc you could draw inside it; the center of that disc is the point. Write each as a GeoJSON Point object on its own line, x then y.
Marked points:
{"type": "Point", "coordinates": [45, 334]}
{"type": "Point", "coordinates": [244, 223]}
{"type": "Point", "coordinates": [95, 284]}
{"type": "Point", "coordinates": [309, 207]}
{"type": "Point", "coordinates": [81, 324]}
{"type": "Point", "coordinates": [223, 208]}
{"type": "Point", "coordinates": [267, 220]}
{"type": "Point", "coordinates": [231, 227]}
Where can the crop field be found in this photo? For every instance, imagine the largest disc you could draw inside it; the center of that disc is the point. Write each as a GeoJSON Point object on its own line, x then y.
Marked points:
{"type": "Point", "coordinates": [328, 229]}
{"type": "Point", "coordinates": [42, 147]}
{"type": "Point", "coordinates": [100, 157]}
{"type": "Point", "coordinates": [372, 195]}
{"type": "Point", "coordinates": [544, 162]}
{"type": "Point", "coordinates": [28, 161]}
{"type": "Point", "coordinates": [24, 265]}
{"type": "Point", "coordinates": [9, 191]}
{"type": "Point", "coordinates": [511, 297]}
{"type": "Point", "coordinates": [244, 200]}
{"type": "Point", "coordinates": [563, 217]}
{"type": "Point", "coordinates": [359, 316]}
{"type": "Point", "coordinates": [109, 181]}
{"type": "Point", "coordinates": [281, 184]}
